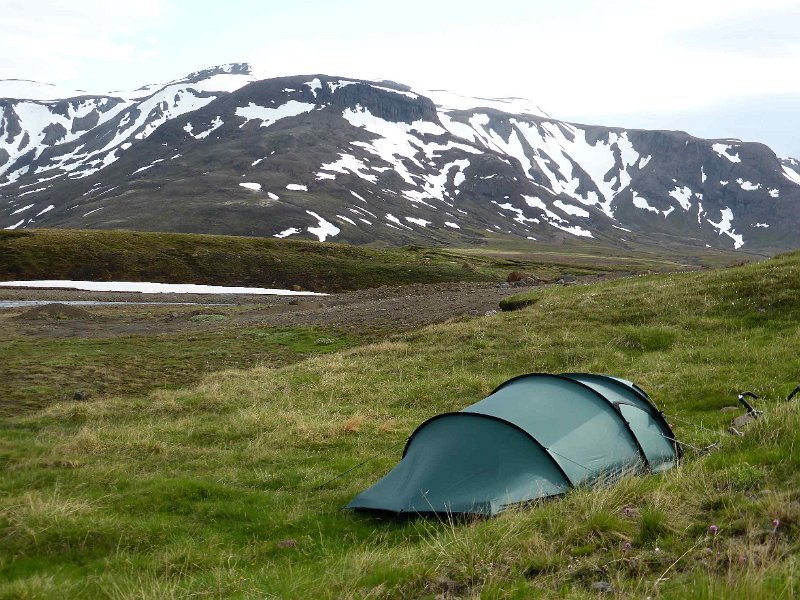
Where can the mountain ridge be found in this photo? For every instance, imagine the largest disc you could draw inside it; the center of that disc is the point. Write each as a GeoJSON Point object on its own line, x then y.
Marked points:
{"type": "Point", "coordinates": [344, 159]}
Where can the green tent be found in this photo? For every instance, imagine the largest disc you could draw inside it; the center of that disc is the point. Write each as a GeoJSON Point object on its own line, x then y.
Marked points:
{"type": "Point", "coordinates": [535, 436]}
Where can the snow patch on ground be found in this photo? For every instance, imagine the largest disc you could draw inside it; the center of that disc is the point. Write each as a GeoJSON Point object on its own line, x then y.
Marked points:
{"type": "Point", "coordinates": [256, 187]}
{"type": "Point", "coordinates": [761, 225]}
{"type": "Point", "coordinates": [420, 222]}
{"type": "Point", "coordinates": [297, 187]}
{"type": "Point", "coordinates": [451, 225]}
{"type": "Point", "coordinates": [145, 287]}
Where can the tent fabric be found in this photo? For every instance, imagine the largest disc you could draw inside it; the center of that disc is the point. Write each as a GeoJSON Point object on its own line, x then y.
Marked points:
{"type": "Point", "coordinates": [535, 436]}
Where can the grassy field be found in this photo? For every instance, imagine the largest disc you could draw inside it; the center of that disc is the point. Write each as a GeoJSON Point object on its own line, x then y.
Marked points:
{"type": "Point", "coordinates": [264, 262]}
{"type": "Point", "coordinates": [230, 489]}
{"type": "Point", "coordinates": [220, 260]}
{"type": "Point", "coordinates": [39, 370]}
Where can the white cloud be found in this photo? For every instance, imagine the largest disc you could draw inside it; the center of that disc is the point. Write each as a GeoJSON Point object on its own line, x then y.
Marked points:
{"type": "Point", "coordinates": [609, 56]}
{"type": "Point", "coordinates": [51, 40]}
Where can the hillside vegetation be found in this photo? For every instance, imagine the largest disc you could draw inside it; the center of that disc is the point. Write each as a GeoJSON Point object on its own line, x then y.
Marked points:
{"type": "Point", "coordinates": [266, 262]}
{"type": "Point", "coordinates": [217, 260]}
{"type": "Point", "coordinates": [233, 488]}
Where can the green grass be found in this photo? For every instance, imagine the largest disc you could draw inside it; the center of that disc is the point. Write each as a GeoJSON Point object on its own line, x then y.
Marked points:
{"type": "Point", "coordinates": [265, 262]}
{"type": "Point", "coordinates": [236, 261]}
{"type": "Point", "coordinates": [226, 489]}
{"type": "Point", "coordinates": [38, 371]}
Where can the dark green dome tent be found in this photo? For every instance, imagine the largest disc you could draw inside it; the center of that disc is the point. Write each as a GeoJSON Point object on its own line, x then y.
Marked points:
{"type": "Point", "coordinates": [535, 436]}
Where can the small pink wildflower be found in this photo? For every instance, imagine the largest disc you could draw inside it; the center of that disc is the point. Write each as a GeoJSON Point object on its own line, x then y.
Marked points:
{"type": "Point", "coordinates": [713, 529]}
{"type": "Point", "coordinates": [776, 523]}
{"type": "Point", "coordinates": [627, 546]}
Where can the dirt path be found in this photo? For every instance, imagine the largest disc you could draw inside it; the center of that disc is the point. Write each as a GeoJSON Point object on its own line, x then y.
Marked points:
{"type": "Point", "coordinates": [384, 308]}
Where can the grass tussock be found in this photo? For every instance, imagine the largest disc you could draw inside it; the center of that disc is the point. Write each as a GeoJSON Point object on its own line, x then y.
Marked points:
{"type": "Point", "coordinates": [232, 488]}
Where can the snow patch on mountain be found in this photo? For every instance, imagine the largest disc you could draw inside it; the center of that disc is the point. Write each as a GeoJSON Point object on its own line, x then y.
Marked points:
{"type": "Point", "coordinates": [449, 101]}
{"type": "Point", "coordinates": [683, 195]}
{"type": "Point", "coordinates": [269, 116]}
{"type": "Point", "coordinates": [641, 202]}
{"type": "Point", "coordinates": [725, 226]}
{"type": "Point", "coordinates": [288, 232]}
{"type": "Point", "coordinates": [215, 124]}
{"type": "Point", "coordinates": [347, 164]}
{"type": "Point", "coordinates": [791, 175]}
{"type": "Point", "coordinates": [324, 229]}
{"type": "Point", "coordinates": [404, 147]}
{"type": "Point", "coordinates": [396, 221]}
{"type": "Point", "coordinates": [575, 211]}
{"type": "Point", "coordinates": [314, 85]}
{"type": "Point", "coordinates": [24, 208]}
{"type": "Point", "coordinates": [748, 186]}
{"type": "Point", "coordinates": [726, 151]}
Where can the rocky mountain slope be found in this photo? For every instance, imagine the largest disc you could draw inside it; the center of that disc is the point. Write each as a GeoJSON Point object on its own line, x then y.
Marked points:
{"type": "Point", "coordinates": [339, 159]}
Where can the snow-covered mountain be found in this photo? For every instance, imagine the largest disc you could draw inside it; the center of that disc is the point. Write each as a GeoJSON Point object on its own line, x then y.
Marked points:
{"type": "Point", "coordinates": [340, 159]}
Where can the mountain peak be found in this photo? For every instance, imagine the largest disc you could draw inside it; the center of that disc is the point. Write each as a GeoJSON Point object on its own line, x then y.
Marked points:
{"type": "Point", "coordinates": [235, 68]}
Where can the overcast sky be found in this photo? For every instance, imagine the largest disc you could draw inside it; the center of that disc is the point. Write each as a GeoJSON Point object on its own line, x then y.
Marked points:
{"type": "Point", "coordinates": [715, 68]}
